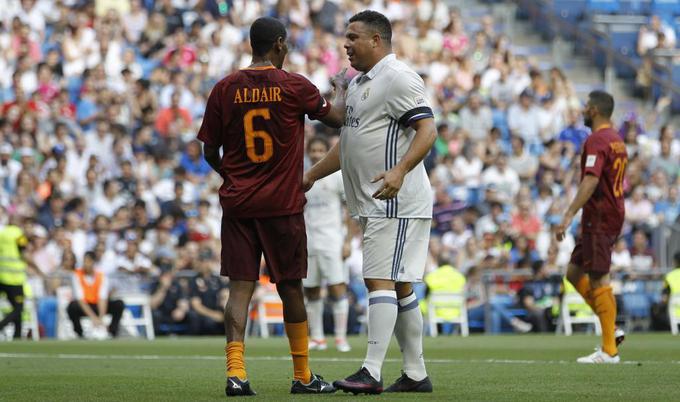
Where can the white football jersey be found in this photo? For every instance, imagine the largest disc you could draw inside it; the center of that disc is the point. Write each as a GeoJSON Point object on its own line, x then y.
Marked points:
{"type": "Point", "coordinates": [381, 106]}
{"type": "Point", "coordinates": [323, 215]}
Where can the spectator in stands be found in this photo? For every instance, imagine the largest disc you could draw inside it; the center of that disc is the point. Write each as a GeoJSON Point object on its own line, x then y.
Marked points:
{"type": "Point", "coordinates": [91, 298]}
{"type": "Point", "coordinates": [621, 260]}
{"type": "Point", "coordinates": [455, 239]}
{"type": "Point", "coordinates": [170, 303]}
{"type": "Point", "coordinates": [639, 209]}
{"type": "Point", "coordinates": [656, 34]}
{"type": "Point", "coordinates": [475, 117]}
{"type": "Point", "coordinates": [208, 297]}
{"type": "Point", "coordinates": [538, 295]}
{"type": "Point", "coordinates": [525, 164]}
{"type": "Point", "coordinates": [503, 178]}
{"type": "Point", "coordinates": [642, 256]}
{"type": "Point", "coordinates": [524, 119]}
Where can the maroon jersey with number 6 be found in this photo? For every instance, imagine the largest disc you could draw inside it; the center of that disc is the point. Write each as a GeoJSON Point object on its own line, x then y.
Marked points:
{"type": "Point", "coordinates": [257, 116]}
{"type": "Point", "coordinates": [604, 156]}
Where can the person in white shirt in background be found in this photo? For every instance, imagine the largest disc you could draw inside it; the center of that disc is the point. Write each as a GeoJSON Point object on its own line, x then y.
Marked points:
{"type": "Point", "coordinates": [326, 249]}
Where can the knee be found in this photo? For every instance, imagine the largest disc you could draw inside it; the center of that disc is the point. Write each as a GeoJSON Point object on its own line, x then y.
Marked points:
{"type": "Point", "coordinates": [288, 289]}
{"type": "Point", "coordinates": [116, 306]}
{"type": "Point", "coordinates": [379, 284]}
{"type": "Point", "coordinates": [313, 294]}
{"type": "Point", "coordinates": [72, 308]}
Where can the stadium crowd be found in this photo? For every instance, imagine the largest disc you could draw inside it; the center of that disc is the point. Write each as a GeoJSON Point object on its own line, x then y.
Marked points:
{"type": "Point", "coordinates": [101, 102]}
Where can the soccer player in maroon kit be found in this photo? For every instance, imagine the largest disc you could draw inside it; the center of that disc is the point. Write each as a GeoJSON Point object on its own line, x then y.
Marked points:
{"type": "Point", "coordinates": [256, 115]}
{"type": "Point", "coordinates": [600, 194]}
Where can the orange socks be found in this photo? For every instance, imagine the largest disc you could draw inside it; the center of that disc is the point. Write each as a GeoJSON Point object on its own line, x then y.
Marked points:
{"type": "Point", "coordinates": [583, 288]}
{"type": "Point", "coordinates": [236, 367]}
{"type": "Point", "coordinates": [605, 308]}
{"type": "Point", "coordinates": [299, 350]}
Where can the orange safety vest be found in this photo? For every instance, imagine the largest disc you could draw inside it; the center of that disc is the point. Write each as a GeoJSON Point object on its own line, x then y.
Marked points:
{"type": "Point", "coordinates": [90, 290]}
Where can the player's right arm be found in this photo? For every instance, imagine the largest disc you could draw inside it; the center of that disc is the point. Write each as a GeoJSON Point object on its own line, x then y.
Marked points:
{"type": "Point", "coordinates": [585, 191]}
{"type": "Point", "coordinates": [326, 166]}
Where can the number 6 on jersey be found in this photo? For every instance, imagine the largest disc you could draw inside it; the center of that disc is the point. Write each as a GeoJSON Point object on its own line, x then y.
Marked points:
{"type": "Point", "coordinates": [251, 134]}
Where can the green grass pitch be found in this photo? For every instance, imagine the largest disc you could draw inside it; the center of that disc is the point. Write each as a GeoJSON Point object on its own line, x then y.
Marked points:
{"type": "Point", "coordinates": [490, 368]}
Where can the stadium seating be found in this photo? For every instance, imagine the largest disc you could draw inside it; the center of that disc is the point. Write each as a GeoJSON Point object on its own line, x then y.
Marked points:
{"type": "Point", "coordinates": [455, 301]}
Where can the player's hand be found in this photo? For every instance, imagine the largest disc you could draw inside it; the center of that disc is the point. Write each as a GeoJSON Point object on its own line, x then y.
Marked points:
{"type": "Point", "coordinates": [339, 80]}
{"type": "Point", "coordinates": [392, 181]}
{"type": "Point", "coordinates": [346, 250]}
{"type": "Point", "coordinates": [178, 314]}
{"type": "Point", "coordinates": [98, 322]}
{"type": "Point", "coordinates": [307, 182]}
{"type": "Point", "coordinates": [561, 228]}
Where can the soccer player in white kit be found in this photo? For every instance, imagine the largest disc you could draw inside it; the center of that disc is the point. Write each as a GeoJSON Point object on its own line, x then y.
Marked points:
{"type": "Point", "coordinates": [389, 128]}
{"type": "Point", "coordinates": [325, 240]}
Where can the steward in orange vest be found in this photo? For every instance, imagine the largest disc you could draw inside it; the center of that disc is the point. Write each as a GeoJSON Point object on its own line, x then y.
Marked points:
{"type": "Point", "coordinates": [91, 298]}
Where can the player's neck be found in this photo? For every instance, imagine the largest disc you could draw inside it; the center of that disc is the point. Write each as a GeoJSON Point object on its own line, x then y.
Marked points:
{"type": "Point", "coordinates": [601, 125]}
{"type": "Point", "coordinates": [260, 62]}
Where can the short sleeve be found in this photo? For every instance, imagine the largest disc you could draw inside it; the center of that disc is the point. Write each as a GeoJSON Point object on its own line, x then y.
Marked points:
{"type": "Point", "coordinates": [210, 131]}
{"type": "Point", "coordinates": [406, 99]}
{"type": "Point", "coordinates": [595, 156]}
{"type": "Point", "coordinates": [313, 104]}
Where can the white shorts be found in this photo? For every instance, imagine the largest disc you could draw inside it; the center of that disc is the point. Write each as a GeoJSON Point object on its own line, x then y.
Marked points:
{"type": "Point", "coordinates": [395, 248]}
{"type": "Point", "coordinates": [324, 268]}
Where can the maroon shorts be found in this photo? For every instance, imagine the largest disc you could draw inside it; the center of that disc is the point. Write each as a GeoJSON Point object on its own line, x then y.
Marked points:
{"type": "Point", "coordinates": [282, 240]}
{"type": "Point", "coordinates": [593, 252]}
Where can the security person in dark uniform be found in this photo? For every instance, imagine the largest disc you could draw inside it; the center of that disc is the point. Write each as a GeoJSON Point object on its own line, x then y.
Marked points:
{"type": "Point", "coordinates": [208, 296]}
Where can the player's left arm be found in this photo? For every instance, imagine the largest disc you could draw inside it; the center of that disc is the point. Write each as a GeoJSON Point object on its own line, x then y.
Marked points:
{"type": "Point", "coordinates": [426, 134]}
{"type": "Point", "coordinates": [585, 191]}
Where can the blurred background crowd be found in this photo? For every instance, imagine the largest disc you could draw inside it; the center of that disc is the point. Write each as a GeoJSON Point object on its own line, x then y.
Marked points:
{"type": "Point", "coordinates": [100, 103]}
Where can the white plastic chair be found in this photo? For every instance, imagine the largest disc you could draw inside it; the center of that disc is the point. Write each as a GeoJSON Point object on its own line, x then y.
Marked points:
{"type": "Point", "coordinates": [447, 300]}
{"type": "Point", "coordinates": [268, 310]}
{"type": "Point", "coordinates": [567, 319]}
{"type": "Point", "coordinates": [131, 323]}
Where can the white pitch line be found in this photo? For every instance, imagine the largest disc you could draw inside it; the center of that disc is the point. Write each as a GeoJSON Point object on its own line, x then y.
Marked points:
{"type": "Point", "coordinates": [70, 356]}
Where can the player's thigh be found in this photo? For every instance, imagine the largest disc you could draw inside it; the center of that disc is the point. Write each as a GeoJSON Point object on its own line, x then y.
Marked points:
{"type": "Point", "coordinates": [386, 248]}
{"type": "Point", "coordinates": [314, 275]}
{"type": "Point", "coordinates": [331, 267]}
{"type": "Point", "coordinates": [284, 243]}
{"type": "Point", "coordinates": [241, 249]}
{"type": "Point", "coordinates": [414, 256]}
{"type": "Point", "coordinates": [598, 252]}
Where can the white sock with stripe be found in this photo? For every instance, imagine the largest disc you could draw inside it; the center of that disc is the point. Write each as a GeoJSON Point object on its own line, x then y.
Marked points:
{"type": "Point", "coordinates": [340, 311]}
{"type": "Point", "coordinates": [382, 315]}
{"type": "Point", "coordinates": [409, 333]}
{"type": "Point", "coordinates": [315, 318]}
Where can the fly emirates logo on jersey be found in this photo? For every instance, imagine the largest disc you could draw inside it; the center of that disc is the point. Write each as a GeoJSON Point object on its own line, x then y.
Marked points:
{"type": "Point", "coordinates": [350, 120]}
{"type": "Point", "coordinates": [256, 95]}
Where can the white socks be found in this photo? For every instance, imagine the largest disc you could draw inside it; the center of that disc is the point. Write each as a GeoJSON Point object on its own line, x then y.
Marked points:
{"type": "Point", "coordinates": [409, 333]}
{"type": "Point", "coordinates": [382, 315]}
{"type": "Point", "coordinates": [340, 311]}
{"type": "Point", "coordinates": [315, 318]}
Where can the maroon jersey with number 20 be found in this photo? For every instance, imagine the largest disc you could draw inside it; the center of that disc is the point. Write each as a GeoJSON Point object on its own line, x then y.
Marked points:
{"type": "Point", "coordinates": [604, 156]}
{"type": "Point", "coordinates": [257, 116]}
